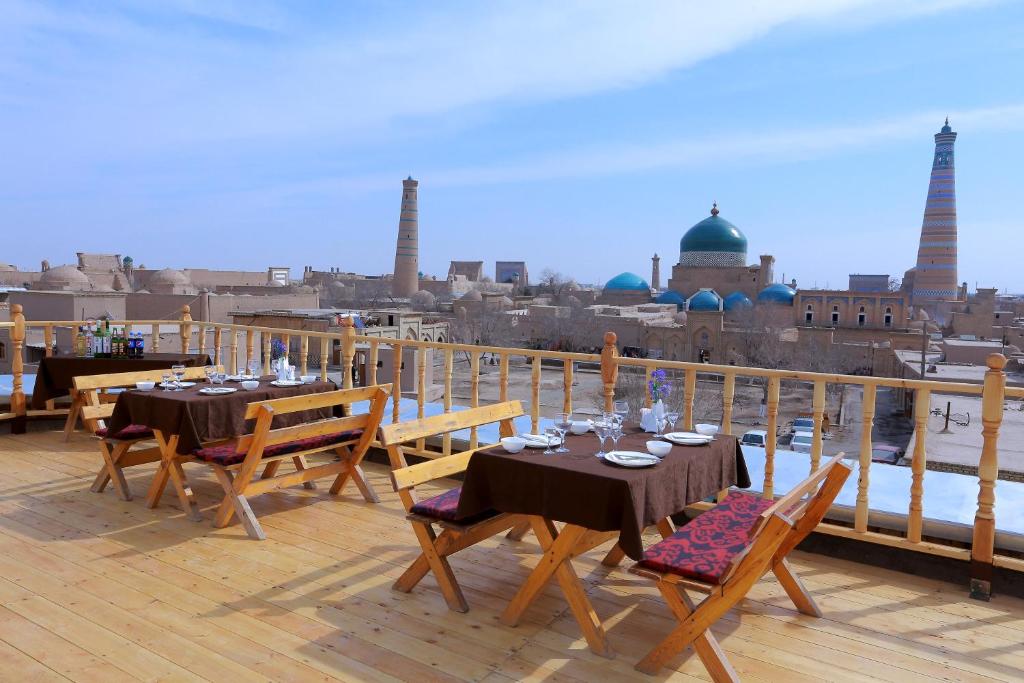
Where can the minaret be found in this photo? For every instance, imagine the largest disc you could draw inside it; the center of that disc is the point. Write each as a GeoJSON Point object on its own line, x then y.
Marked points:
{"type": "Point", "coordinates": [406, 280]}
{"type": "Point", "coordinates": [935, 277]}
{"type": "Point", "coordinates": [655, 273]}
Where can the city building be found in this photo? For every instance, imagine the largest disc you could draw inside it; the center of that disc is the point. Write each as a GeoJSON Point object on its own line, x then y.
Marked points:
{"type": "Point", "coordinates": [405, 282]}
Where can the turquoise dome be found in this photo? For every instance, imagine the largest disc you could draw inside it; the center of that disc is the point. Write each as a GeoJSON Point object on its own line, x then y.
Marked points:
{"type": "Point", "coordinates": [713, 242]}
{"type": "Point", "coordinates": [777, 293]}
{"type": "Point", "coordinates": [737, 300]}
{"type": "Point", "coordinates": [671, 297]}
{"type": "Point", "coordinates": [628, 282]}
{"type": "Point", "coordinates": [705, 300]}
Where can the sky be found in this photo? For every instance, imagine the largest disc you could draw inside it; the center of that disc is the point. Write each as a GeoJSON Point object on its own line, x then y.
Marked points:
{"type": "Point", "coordinates": [581, 136]}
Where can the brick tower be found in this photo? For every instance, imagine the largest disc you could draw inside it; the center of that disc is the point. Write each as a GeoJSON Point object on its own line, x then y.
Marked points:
{"type": "Point", "coordinates": [935, 276]}
{"type": "Point", "coordinates": [655, 272]}
{"type": "Point", "coordinates": [406, 280]}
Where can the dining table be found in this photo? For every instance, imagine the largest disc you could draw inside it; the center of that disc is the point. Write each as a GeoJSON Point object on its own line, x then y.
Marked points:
{"type": "Point", "coordinates": [595, 501]}
{"type": "Point", "coordinates": [187, 419]}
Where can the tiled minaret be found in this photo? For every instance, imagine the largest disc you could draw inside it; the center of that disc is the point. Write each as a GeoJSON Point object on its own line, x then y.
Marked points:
{"type": "Point", "coordinates": [406, 280]}
{"type": "Point", "coordinates": [935, 277]}
{"type": "Point", "coordinates": [655, 272]}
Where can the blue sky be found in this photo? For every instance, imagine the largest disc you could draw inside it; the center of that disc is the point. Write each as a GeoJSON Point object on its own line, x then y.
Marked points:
{"type": "Point", "coordinates": [580, 136]}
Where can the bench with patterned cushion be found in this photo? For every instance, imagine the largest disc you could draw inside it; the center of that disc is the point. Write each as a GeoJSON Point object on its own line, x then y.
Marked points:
{"type": "Point", "coordinates": [445, 506]}
{"type": "Point", "coordinates": [227, 454]}
{"type": "Point", "coordinates": [128, 433]}
{"type": "Point", "coordinates": [704, 548]}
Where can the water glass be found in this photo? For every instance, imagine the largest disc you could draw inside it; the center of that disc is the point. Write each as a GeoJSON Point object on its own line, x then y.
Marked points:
{"type": "Point", "coordinates": [210, 371]}
{"type": "Point", "coordinates": [672, 418]}
{"type": "Point", "coordinates": [552, 438]}
{"type": "Point", "coordinates": [254, 366]}
{"type": "Point", "coordinates": [621, 410]}
{"type": "Point", "coordinates": [601, 430]}
{"type": "Point", "coordinates": [615, 432]}
{"type": "Point", "coordinates": [563, 423]}
{"type": "Point", "coordinates": [165, 382]}
{"type": "Point", "coordinates": [179, 374]}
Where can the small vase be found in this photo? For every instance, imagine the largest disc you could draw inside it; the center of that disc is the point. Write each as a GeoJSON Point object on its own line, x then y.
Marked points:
{"type": "Point", "coordinates": [659, 416]}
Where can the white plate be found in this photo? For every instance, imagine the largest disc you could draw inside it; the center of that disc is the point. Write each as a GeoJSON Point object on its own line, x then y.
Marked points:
{"type": "Point", "coordinates": [172, 385]}
{"type": "Point", "coordinates": [632, 458]}
{"type": "Point", "coordinates": [239, 378]}
{"type": "Point", "coordinates": [217, 391]}
{"type": "Point", "coordinates": [286, 383]}
{"type": "Point", "coordinates": [688, 438]}
{"type": "Point", "coordinates": [539, 440]}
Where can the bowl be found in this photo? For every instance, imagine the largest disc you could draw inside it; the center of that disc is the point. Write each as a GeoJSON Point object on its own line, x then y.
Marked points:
{"type": "Point", "coordinates": [579, 427]}
{"type": "Point", "coordinates": [250, 385]}
{"type": "Point", "coordinates": [706, 429]}
{"type": "Point", "coordinates": [659, 448]}
{"type": "Point", "coordinates": [145, 386]}
{"type": "Point", "coordinates": [309, 379]}
{"type": "Point", "coordinates": [513, 444]}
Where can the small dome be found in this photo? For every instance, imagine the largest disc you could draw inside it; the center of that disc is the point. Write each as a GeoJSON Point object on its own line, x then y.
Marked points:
{"type": "Point", "coordinates": [713, 242]}
{"type": "Point", "coordinates": [737, 300]}
{"type": "Point", "coordinates": [65, 276]}
{"type": "Point", "coordinates": [628, 282]}
{"type": "Point", "coordinates": [671, 297]}
{"type": "Point", "coordinates": [777, 293]}
{"type": "Point", "coordinates": [472, 295]}
{"type": "Point", "coordinates": [169, 276]}
{"type": "Point", "coordinates": [423, 298]}
{"type": "Point", "coordinates": [705, 300]}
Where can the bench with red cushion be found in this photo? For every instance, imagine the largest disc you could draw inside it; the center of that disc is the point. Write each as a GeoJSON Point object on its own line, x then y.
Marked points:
{"type": "Point", "coordinates": [445, 507]}
{"type": "Point", "coordinates": [704, 548]}
{"type": "Point", "coordinates": [127, 434]}
{"type": "Point", "coordinates": [227, 454]}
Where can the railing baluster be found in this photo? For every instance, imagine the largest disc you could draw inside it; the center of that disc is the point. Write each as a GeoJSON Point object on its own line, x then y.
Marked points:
{"type": "Point", "coordinates": [915, 515]}
{"type": "Point", "coordinates": [348, 352]}
{"type": "Point", "coordinates": [648, 374]}
{"type": "Point", "coordinates": [266, 337]}
{"type": "Point", "coordinates": [373, 361]}
{"type": "Point", "coordinates": [48, 351]}
{"type": "Point", "coordinates": [18, 406]}
{"type": "Point", "coordinates": [474, 392]}
{"type": "Point", "coordinates": [74, 338]}
{"type": "Point", "coordinates": [771, 439]}
{"type": "Point", "coordinates": [185, 329]}
{"type": "Point", "coordinates": [449, 365]}
{"type": "Point", "coordinates": [609, 370]}
{"type": "Point", "coordinates": [503, 377]}
{"type": "Point", "coordinates": [233, 350]}
{"type": "Point", "coordinates": [396, 394]}
{"type": "Point", "coordinates": [286, 339]}
{"type": "Point", "coordinates": [860, 520]}
{"type": "Point", "coordinates": [535, 395]}
{"type": "Point", "coordinates": [818, 411]}
{"type": "Point", "coordinates": [567, 386]}
{"type": "Point", "coordinates": [728, 396]}
{"type": "Point", "coordinates": [984, 537]}
{"type": "Point", "coordinates": [201, 333]}
{"type": "Point", "coordinates": [304, 354]}
{"type": "Point", "coordinates": [250, 346]}
{"type": "Point", "coordinates": [217, 342]}
{"type": "Point", "coordinates": [324, 351]}
{"type": "Point", "coordinates": [689, 389]}
{"type": "Point", "coordinates": [421, 388]}
{"type": "Point", "coordinates": [155, 341]}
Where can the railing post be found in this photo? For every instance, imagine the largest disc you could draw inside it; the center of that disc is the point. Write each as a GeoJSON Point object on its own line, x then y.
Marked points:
{"type": "Point", "coordinates": [185, 329]}
{"type": "Point", "coordinates": [918, 465]}
{"type": "Point", "coordinates": [154, 345]}
{"type": "Point", "coordinates": [771, 438]}
{"type": "Point", "coordinates": [984, 539]}
{"type": "Point", "coordinates": [609, 370]}
{"type": "Point", "coordinates": [18, 407]}
{"type": "Point", "coordinates": [324, 351]}
{"type": "Point", "coordinates": [304, 354]}
{"type": "Point", "coordinates": [818, 410]}
{"type": "Point", "coordinates": [860, 519]}
{"type": "Point", "coordinates": [348, 354]}
{"type": "Point", "coordinates": [266, 339]}
{"type": "Point", "coordinates": [728, 397]}
{"type": "Point", "coordinates": [217, 340]}
{"type": "Point", "coordinates": [250, 345]}
{"type": "Point", "coordinates": [689, 394]}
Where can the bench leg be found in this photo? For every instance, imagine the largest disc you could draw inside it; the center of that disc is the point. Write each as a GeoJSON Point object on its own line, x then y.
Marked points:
{"type": "Point", "coordinates": [240, 505]}
{"type": "Point", "coordinates": [111, 471]}
{"type": "Point", "coordinates": [271, 469]}
{"type": "Point", "coordinates": [440, 567]}
{"type": "Point", "coordinates": [300, 464]}
{"type": "Point", "coordinates": [355, 472]}
{"type": "Point", "coordinates": [795, 589]}
{"type": "Point", "coordinates": [519, 531]}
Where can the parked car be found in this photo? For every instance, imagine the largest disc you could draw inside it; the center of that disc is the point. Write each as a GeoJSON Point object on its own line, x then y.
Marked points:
{"type": "Point", "coordinates": [755, 437]}
{"type": "Point", "coordinates": [801, 442]}
{"type": "Point", "coordinates": [887, 453]}
{"type": "Point", "coordinates": [802, 424]}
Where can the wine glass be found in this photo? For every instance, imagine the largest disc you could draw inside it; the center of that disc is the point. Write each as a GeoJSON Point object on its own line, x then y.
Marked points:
{"type": "Point", "coordinates": [601, 430]}
{"type": "Point", "coordinates": [551, 434]}
{"type": "Point", "coordinates": [210, 371]}
{"type": "Point", "coordinates": [622, 410]}
{"type": "Point", "coordinates": [672, 418]}
{"type": "Point", "coordinates": [179, 374]}
{"type": "Point", "coordinates": [615, 432]}
{"type": "Point", "coordinates": [165, 382]}
{"type": "Point", "coordinates": [563, 422]}
{"type": "Point", "coordinates": [254, 366]}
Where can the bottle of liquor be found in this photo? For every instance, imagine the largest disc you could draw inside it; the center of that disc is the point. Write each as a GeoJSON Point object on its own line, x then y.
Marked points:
{"type": "Point", "coordinates": [105, 340]}
{"type": "Point", "coordinates": [119, 343]}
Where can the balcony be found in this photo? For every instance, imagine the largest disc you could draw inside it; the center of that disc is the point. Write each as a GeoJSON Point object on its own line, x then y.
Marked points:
{"type": "Point", "coordinates": [97, 588]}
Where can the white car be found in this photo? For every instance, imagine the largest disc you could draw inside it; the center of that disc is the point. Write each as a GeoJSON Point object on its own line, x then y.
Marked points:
{"type": "Point", "coordinates": [801, 442]}
{"type": "Point", "coordinates": [755, 437]}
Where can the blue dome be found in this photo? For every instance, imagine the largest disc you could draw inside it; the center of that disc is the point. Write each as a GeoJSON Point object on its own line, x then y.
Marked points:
{"type": "Point", "coordinates": [705, 300]}
{"type": "Point", "coordinates": [628, 282]}
{"type": "Point", "coordinates": [671, 297]}
{"type": "Point", "coordinates": [777, 293]}
{"type": "Point", "coordinates": [737, 300]}
{"type": "Point", "coordinates": [713, 242]}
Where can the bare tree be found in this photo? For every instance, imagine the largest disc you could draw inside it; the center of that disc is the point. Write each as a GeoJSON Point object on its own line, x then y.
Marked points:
{"type": "Point", "coordinates": [556, 284]}
{"type": "Point", "coordinates": [895, 284]}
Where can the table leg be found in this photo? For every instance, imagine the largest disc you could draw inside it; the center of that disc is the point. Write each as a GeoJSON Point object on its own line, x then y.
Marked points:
{"type": "Point", "coordinates": [559, 548]}
{"type": "Point", "coordinates": [170, 468]}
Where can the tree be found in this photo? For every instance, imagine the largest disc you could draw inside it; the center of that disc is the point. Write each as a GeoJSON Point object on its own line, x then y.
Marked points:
{"type": "Point", "coordinates": [555, 283]}
{"type": "Point", "coordinates": [895, 284]}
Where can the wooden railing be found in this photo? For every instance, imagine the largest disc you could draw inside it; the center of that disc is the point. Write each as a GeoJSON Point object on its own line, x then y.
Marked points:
{"type": "Point", "coordinates": [360, 356]}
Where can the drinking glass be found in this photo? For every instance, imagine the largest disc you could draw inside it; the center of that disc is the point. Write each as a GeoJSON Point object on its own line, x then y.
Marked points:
{"type": "Point", "coordinates": [672, 418]}
{"type": "Point", "coordinates": [615, 433]}
{"type": "Point", "coordinates": [659, 424]}
{"type": "Point", "coordinates": [210, 371]}
{"type": "Point", "coordinates": [179, 374]}
{"type": "Point", "coordinates": [622, 410]}
{"type": "Point", "coordinates": [165, 382]}
{"type": "Point", "coordinates": [563, 422]}
{"type": "Point", "coordinates": [552, 434]}
{"type": "Point", "coordinates": [601, 430]}
{"type": "Point", "coordinates": [254, 366]}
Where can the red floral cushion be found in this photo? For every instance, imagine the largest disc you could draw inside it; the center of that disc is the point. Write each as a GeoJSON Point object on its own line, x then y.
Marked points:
{"type": "Point", "coordinates": [226, 454]}
{"type": "Point", "coordinates": [704, 548]}
{"type": "Point", "coordinates": [445, 506]}
{"type": "Point", "coordinates": [128, 433]}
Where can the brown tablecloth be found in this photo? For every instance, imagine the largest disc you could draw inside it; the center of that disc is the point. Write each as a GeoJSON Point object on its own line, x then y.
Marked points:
{"type": "Point", "coordinates": [56, 374]}
{"type": "Point", "coordinates": [578, 488]}
{"type": "Point", "coordinates": [197, 418]}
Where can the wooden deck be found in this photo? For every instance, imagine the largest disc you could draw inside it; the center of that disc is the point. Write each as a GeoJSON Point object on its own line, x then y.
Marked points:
{"type": "Point", "coordinates": [96, 589]}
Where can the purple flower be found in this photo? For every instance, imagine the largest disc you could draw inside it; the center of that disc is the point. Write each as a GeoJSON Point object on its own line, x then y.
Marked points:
{"type": "Point", "coordinates": [277, 349]}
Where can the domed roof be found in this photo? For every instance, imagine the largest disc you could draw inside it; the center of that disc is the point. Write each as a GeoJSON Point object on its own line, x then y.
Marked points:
{"type": "Point", "coordinates": [472, 295]}
{"type": "Point", "coordinates": [777, 293]}
{"type": "Point", "coordinates": [169, 276]}
{"type": "Point", "coordinates": [705, 300]}
{"type": "Point", "coordinates": [65, 276]}
{"type": "Point", "coordinates": [713, 235]}
{"type": "Point", "coordinates": [737, 300]}
{"type": "Point", "coordinates": [671, 297]}
{"type": "Point", "coordinates": [628, 282]}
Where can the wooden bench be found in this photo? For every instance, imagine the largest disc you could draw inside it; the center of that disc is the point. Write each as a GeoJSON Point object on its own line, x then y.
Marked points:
{"type": "Point", "coordinates": [235, 462]}
{"type": "Point", "coordinates": [117, 449]}
{"type": "Point", "coordinates": [724, 552]}
{"type": "Point", "coordinates": [441, 510]}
